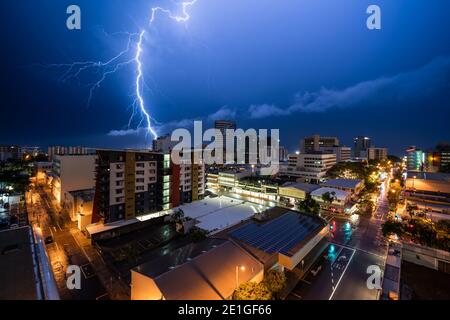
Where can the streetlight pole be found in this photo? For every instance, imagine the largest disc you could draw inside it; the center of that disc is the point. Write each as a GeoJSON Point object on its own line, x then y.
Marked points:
{"type": "Point", "coordinates": [242, 268]}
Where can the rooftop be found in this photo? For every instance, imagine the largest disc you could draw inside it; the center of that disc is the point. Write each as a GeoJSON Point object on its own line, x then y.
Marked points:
{"type": "Point", "coordinates": [18, 276]}
{"type": "Point", "coordinates": [210, 275]}
{"type": "Point", "coordinates": [339, 194]}
{"type": "Point", "coordinates": [435, 176]}
{"type": "Point", "coordinates": [86, 194]}
{"type": "Point", "coordinates": [219, 213]}
{"type": "Point", "coordinates": [342, 183]}
{"type": "Point", "coordinates": [283, 235]}
{"type": "Point", "coordinates": [175, 258]}
{"type": "Point", "coordinates": [306, 187]}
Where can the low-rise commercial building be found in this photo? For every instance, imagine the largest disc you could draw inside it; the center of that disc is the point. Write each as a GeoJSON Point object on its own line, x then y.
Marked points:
{"type": "Point", "coordinates": [282, 242]}
{"type": "Point", "coordinates": [209, 270]}
{"type": "Point", "coordinates": [353, 186]}
{"type": "Point", "coordinates": [430, 192]}
{"type": "Point", "coordinates": [292, 192]}
{"type": "Point", "coordinates": [340, 198]}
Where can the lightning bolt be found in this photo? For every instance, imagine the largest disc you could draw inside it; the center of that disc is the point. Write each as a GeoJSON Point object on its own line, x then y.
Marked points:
{"type": "Point", "coordinates": [75, 69]}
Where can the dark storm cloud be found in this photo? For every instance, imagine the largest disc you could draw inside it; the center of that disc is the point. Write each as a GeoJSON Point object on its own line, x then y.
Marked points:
{"type": "Point", "coordinates": [422, 83]}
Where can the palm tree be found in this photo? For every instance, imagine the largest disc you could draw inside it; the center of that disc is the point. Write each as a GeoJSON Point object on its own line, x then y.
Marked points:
{"type": "Point", "coordinates": [308, 205]}
{"type": "Point", "coordinates": [329, 197]}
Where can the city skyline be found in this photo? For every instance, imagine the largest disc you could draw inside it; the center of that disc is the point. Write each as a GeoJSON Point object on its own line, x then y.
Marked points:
{"type": "Point", "coordinates": [315, 79]}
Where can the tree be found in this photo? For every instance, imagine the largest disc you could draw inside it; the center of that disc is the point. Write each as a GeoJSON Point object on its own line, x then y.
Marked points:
{"type": "Point", "coordinates": [393, 196]}
{"type": "Point", "coordinates": [252, 291]}
{"type": "Point", "coordinates": [178, 216]}
{"type": "Point", "coordinates": [391, 227]}
{"type": "Point", "coordinates": [329, 197]}
{"type": "Point", "coordinates": [443, 225]}
{"type": "Point", "coordinates": [348, 170]}
{"type": "Point", "coordinates": [366, 206]}
{"type": "Point", "coordinates": [196, 234]}
{"type": "Point", "coordinates": [308, 205]}
{"type": "Point", "coordinates": [275, 281]}
{"type": "Point", "coordinates": [411, 208]}
{"type": "Point", "coordinates": [394, 159]}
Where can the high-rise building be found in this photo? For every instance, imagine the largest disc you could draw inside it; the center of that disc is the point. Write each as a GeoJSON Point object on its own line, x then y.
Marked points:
{"type": "Point", "coordinates": [70, 173]}
{"type": "Point", "coordinates": [415, 159]}
{"type": "Point", "coordinates": [316, 142]}
{"type": "Point", "coordinates": [188, 178]}
{"type": "Point", "coordinates": [283, 154]}
{"type": "Point", "coordinates": [377, 153]}
{"type": "Point", "coordinates": [163, 144]}
{"type": "Point", "coordinates": [361, 144]}
{"type": "Point", "coordinates": [130, 183]}
{"type": "Point", "coordinates": [223, 125]}
{"type": "Point", "coordinates": [70, 150]}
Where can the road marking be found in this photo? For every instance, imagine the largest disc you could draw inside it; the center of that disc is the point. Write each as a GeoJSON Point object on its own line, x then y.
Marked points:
{"type": "Point", "coordinates": [359, 249]}
{"type": "Point", "coordinates": [305, 281]}
{"type": "Point", "coordinates": [342, 275]}
{"type": "Point", "coordinates": [297, 295]}
{"type": "Point", "coordinates": [103, 295]}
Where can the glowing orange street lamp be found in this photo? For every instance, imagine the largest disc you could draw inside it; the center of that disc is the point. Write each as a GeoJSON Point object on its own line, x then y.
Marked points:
{"type": "Point", "coordinates": [241, 268]}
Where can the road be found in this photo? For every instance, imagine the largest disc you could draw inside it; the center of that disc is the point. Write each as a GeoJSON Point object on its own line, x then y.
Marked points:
{"type": "Point", "coordinates": [341, 272]}
{"type": "Point", "coordinates": [65, 250]}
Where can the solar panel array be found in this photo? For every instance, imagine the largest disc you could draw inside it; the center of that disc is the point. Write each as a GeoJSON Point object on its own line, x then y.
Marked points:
{"type": "Point", "coordinates": [278, 235]}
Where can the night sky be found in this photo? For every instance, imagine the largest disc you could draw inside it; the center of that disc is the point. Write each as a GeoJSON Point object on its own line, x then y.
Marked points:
{"type": "Point", "coordinates": [303, 66]}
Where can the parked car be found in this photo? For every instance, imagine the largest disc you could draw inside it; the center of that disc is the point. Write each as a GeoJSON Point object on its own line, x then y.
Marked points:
{"type": "Point", "coordinates": [48, 240]}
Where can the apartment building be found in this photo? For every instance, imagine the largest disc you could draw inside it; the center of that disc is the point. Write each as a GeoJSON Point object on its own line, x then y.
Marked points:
{"type": "Point", "coordinates": [130, 183]}
{"type": "Point", "coordinates": [189, 177]}
{"type": "Point", "coordinates": [71, 173]}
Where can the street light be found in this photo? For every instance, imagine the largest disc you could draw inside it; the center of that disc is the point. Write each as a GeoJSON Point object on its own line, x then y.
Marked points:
{"type": "Point", "coordinates": [238, 267]}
